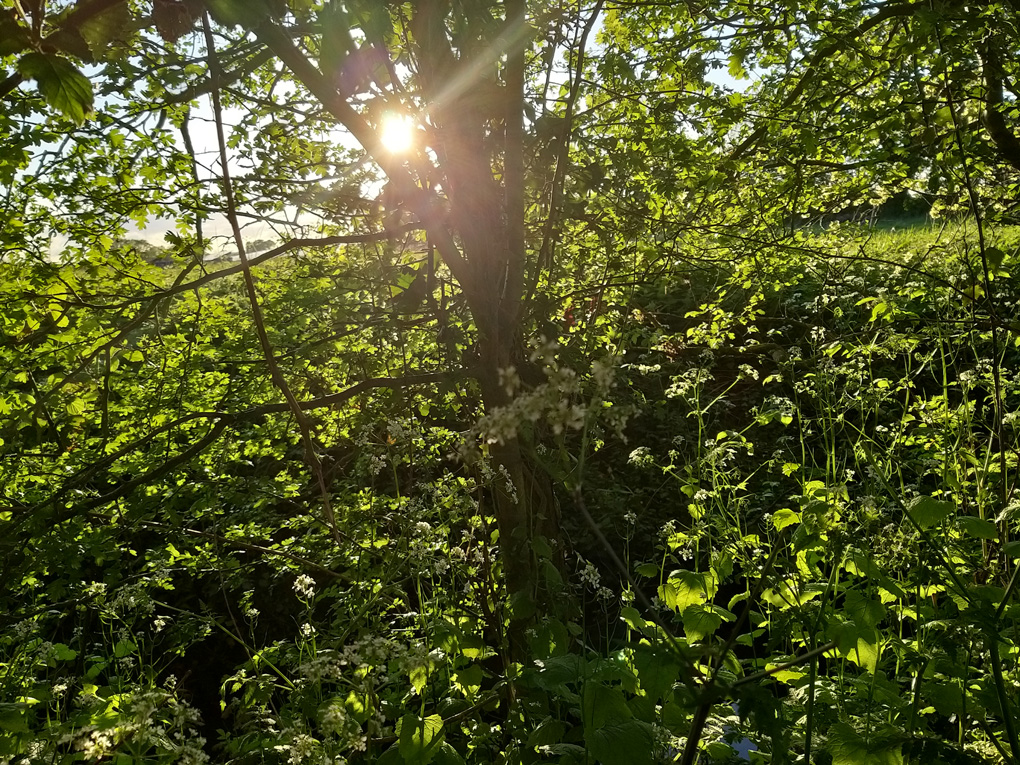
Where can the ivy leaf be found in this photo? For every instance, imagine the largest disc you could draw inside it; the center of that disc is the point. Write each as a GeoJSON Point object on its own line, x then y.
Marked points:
{"type": "Point", "coordinates": [64, 87]}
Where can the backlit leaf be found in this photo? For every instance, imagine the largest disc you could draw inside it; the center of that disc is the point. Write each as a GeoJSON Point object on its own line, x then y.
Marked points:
{"type": "Point", "coordinates": [60, 83]}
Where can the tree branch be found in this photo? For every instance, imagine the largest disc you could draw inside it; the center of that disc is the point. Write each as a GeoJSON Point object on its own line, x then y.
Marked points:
{"type": "Point", "coordinates": [423, 203]}
{"type": "Point", "coordinates": [824, 52]}
{"type": "Point", "coordinates": [293, 244]}
{"type": "Point", "coordinates": [279, 379]}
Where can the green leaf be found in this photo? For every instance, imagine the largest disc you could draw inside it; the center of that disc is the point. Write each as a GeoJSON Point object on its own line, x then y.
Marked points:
{"type": "Point", "coordinates": [63, 653]}
{"type": "Point", "coordinates": [845, 635]}
{"type": "Point", "coordinates": [848, 747]}
{"type": "Point", "coordinates": [123, 648]}
{"type": "Point", "coordinates": [419, 740]}
{"type": "Point", "coordinates": [634, 619]}
{"type": "Point", "coordinates": [447, 755]}
{"type": "Point", "coordinates": [106, 28]}
{"type": "Point", "coordinates": [978, 527]}
{"type": "Point", "coordinates": [994, 257]}
{"type": "Point", "coordinates": [60, 83]}
{"type": "Point", "coordinates": [419, 676]}
{"type": "Point", "coordinates": [14, 38]}
{"type": "Point", "coordinates": [648, 570]}
{"type": "Point", "coordinates": [603, 703]}
{"type": "Point", "coordinates": [736, 67]}
{"type": "Point", "coordinates": [789, 594]}
{"type": "Point", "coordinates": [867, 652]}
{"type": "Point", "coordinates": [550, 639]}
{"type": "Point", "coordinates": [947, 698]}
{"type": "Point", "coordinates": [783, 518]}
{"type": "Point", "coordinates": [700, 622]}
{"type": "Point", "coordinates": [928, 511]}
{"type": "Point", "coordinates": [12, 718]}
{"type": "Point", "coordinates": [863, 610]}
{"type": "Point", "coordinates": [548, 732]}
{"type": "Point", "coordinates": [684, 589]}
{"type": "Point", "coordinates": [240, 13]}
{"type": "Point", "coordinates": [622, 742]}
{"type": "Point", "coordinates": [469, 679]}
{"type": "Point", "coordinates": [675, 719]}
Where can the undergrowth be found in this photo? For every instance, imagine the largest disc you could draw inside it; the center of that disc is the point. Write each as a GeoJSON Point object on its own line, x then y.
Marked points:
{"type": "Point", "coordinates": [802, 543]}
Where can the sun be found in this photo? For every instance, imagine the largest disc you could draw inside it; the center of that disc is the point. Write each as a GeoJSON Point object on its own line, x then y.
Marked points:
{"type": "Point", "coordinates": [397, 134]}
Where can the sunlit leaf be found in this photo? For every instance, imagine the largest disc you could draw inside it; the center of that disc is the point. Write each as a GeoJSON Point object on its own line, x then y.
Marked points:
{"type": "Point", "coordinates": [60, 83]}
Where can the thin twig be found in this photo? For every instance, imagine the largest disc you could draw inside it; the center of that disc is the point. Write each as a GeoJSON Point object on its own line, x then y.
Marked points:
{"type": "Point", "coordinates": [267, 349]}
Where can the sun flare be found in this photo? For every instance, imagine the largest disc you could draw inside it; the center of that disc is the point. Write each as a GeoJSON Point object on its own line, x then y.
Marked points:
{"type": "Point", "coordinates": [397, 133]}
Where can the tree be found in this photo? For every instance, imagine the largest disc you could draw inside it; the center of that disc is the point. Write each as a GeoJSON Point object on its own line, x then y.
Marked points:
{"type": "Point", "coordinates": [473, 286]}
{"type": "Point", "coordinates": [464, 68]}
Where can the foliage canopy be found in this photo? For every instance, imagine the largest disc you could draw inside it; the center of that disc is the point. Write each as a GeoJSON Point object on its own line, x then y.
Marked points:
{"type": "Point", "coordinates": [592, 424]}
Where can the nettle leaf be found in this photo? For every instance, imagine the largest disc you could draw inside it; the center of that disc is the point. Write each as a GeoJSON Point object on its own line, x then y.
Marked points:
{"type": "Point", "coordinates": [60, 83]}
{"type": "Point", "coordinates": [928, 511]}
{"type": "Point", "coordinates": [625, 742]}
{"type": "Point", "coordinates": [610, 730]}
{"type": "Point", "coordinates": [602, 704]}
